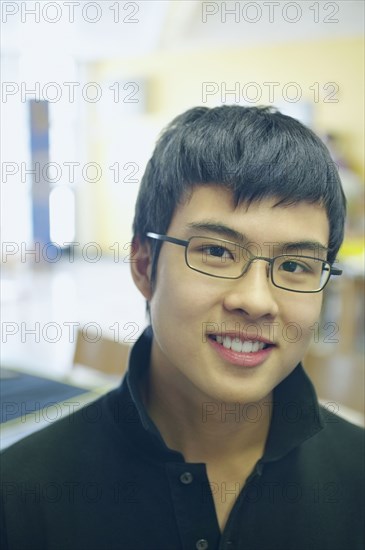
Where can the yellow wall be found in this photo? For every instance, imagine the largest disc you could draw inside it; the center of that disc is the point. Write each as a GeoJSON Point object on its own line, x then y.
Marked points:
{"type": "Point", "coordinates": [175, 83]}
{"type": "Point", "coordinates": [176, 80]}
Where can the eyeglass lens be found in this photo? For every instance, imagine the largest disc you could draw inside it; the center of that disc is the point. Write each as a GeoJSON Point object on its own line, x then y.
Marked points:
{"type": "Point", "coordinates": [226, 259]}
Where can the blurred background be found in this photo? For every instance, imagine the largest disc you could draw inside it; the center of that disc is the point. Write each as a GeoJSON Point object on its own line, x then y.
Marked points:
{"type": "Point", "coordinates": [86, 88]}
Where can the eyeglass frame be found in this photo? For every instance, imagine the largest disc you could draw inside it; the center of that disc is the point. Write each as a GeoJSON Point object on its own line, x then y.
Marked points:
{"type": "Point", "coordinates": [165, 238]}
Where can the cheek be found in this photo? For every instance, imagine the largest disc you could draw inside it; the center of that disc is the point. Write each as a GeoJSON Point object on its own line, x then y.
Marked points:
{"type": "Point", "coordinates": [183, 295]}
{"type": "Point", "coordinates": [300, 314]}
{"type": "Point", "coordinates": [177, 291]}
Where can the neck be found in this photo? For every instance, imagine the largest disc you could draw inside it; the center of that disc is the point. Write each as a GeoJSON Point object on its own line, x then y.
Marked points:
{"type": "Point", "coordinates": [201, 428]}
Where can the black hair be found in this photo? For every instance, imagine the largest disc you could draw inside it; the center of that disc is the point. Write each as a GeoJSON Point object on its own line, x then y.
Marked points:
{"type": "Point", "coordinates": [256, 152]}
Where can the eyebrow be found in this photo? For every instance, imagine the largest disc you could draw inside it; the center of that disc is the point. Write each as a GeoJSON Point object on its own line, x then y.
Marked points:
{"type": "Point", "coordinates": [230, 233]}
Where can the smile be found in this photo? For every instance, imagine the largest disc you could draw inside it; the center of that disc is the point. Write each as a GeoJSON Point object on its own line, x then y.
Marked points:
{"type": "Point", "coordinates": [243, 352]}
{"type": "Point", "coordinates": [235, 344]}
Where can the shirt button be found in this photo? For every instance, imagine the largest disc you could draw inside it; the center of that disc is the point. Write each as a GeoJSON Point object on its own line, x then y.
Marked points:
{"type": "Point", "coordinates": [202, 544]}
{"type": "Point", "coordinates": [186, 478]}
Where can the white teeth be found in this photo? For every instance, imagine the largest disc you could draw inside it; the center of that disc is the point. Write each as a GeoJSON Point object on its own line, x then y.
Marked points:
{"type": "Point", "coordinates": [235, 344]}
{"type": "Point", "coordinates": [247, 346]}
{"type": "Point", "coordinates": [227, 342]}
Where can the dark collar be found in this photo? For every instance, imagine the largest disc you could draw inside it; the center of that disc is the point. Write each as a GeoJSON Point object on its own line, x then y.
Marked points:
{"type": "Point", "coordinates": [296, 414]}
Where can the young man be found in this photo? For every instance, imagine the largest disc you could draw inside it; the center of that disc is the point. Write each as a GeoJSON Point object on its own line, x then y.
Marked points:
{"type": "Point", "coordinates": [215, 438]}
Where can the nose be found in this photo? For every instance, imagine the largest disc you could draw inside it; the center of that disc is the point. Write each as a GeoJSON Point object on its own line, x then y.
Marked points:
{"type": "Point", "coordinates": [252, 293]}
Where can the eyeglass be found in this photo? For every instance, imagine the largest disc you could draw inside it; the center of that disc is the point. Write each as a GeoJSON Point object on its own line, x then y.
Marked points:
{"type": "Point", "coordinates": [229, 260]}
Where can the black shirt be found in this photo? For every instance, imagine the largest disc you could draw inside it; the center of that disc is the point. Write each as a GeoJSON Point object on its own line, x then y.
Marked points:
{"type": "Point", "coordinates": [103, 478]}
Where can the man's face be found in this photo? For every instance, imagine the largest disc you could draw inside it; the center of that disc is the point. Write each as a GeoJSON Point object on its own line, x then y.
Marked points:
{"type": "Point", "coordinates": [187, 307]}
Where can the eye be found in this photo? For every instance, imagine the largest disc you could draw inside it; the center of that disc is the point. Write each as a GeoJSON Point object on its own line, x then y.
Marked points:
{"type": "Point", "coordinates": [291, 266]}
{"type": "Point", "coordinates": [217, 251]}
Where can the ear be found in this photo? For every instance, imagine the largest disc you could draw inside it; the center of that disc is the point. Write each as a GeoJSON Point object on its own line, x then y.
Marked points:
{"type": "Point", "coordinates": [141, 266]}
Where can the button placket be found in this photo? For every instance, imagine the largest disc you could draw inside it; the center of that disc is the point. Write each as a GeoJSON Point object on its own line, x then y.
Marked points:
{"type": "Point", "coordinates": [193, 506]}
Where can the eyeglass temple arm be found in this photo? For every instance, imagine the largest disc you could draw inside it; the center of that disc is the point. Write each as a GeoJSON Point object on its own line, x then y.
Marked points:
{"type": "Point", "coordinates": [335, 271]}
{"type": "Point", "coordinates": [166, 238]}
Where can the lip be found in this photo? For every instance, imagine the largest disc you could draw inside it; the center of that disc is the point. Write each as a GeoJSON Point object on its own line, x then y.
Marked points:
{"type": "Point", "coordinates": [242, 359]}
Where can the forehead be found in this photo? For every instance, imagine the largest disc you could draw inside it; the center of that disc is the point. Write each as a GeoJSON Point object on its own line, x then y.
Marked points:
{"type": "Point", "coordinates": [260, 222]}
